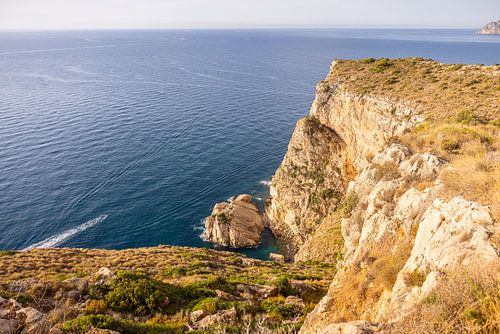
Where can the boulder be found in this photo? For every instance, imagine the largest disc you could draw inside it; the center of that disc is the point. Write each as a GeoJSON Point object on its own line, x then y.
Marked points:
{"type": "Point", "coordinates": [256, 291]}
{"type": "Point", "coordinates": [33, 320]}
{"type": "Point", "coordinates": [276, 257]}
{"type": "Point", "coordinates": [227, 317]}
{"type": "Point", "coordinates": [102, 331]}
{"type": "Point", "coordinates": [225, 296]}
{"type": "Point", "coordinates": [235, 224]}
{"type": "Point", "coordinates": [353, 327]}
{"type": "Point", "coordinates": [8, 326]}
{"type": "Point", "coordinates": [102, 276]}
{"type": "Point", "coordinates": [196, 316]}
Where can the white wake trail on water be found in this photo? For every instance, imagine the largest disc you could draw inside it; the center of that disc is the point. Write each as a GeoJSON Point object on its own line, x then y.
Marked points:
{"type": "Point", "coordinates": [65, 235]}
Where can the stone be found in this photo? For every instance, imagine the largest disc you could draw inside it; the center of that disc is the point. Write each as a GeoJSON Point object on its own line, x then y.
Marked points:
{"type": "Point", "coordinates": [256, 291]}
{"type": "Point", "coordinates": [101, 331]}
{"type": "Point", "coordinates": [353, 327]}
{"type": "Point", "coordinates": [225, 296]}
{"type": "Point", "coordinates": [103, 276]}
{"type": "Point", "coordinates": [227, 317]}
{"type": "Point", "coordinates": [237, 224]}
{"type": "Point", "coordinates": [451, 235]}
{"type": "Point", "coordinates": [33, 320]}
{"type": "Point", "coordinates": [277, 257]}
{"type": "Point", "coordinates": [196, 316]}
{"type": "Point", "coordinates": [296, 302]}
{"type": "Point", "coordinates": [8, 326]}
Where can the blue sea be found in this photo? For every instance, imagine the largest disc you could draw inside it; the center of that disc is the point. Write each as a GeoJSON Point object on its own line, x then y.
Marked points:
{"type": "Point", "coordinates": [117, 139]}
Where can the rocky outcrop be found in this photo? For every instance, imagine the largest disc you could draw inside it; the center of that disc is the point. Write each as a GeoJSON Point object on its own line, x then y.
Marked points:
{"type": "Point", "coordinates": [308, 184]}
{"type": "Point", "coordinates": [237, 223]}
{"type": "Point", "coordinates": [492, 28]}
{"type": "Point", "coordinates": [400, 238]}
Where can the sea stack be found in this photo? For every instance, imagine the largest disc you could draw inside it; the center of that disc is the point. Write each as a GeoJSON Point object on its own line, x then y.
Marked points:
{"type": "Point", "coordinates": [492, 28]}
{"type": "Point", "coordinates": [236, 224]}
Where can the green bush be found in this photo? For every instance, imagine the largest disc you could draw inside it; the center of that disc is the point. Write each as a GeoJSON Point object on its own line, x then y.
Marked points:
{"type": "Point", "coordinates": [139, 294]}
{"type": "Point", "coordinates": [381, 65]}
{"type": "Point", "coordinates": [277, 310]}
{"type": "Point", "coordinates": [468, 118]}
{"type": "Point", "coordinates": [348, 204]}
{"type": "Point", "coordinates": [284, 287]}
{"type": "Point", "coordinates": [213, 283]}
{"type": "Point", "coordinates": [82, 324]}
{"type": "Point", "coordinates": [211, 305]}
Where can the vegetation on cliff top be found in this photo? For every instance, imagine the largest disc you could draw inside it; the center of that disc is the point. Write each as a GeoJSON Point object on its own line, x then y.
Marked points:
{"type": "Point", "coordinates": [156, 290]}
{"type": "Point", "coordinates": [433, 89]}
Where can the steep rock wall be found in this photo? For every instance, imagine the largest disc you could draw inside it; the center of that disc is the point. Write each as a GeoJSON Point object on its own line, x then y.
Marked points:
{"type": "Point", "coordinates": [343, 130]}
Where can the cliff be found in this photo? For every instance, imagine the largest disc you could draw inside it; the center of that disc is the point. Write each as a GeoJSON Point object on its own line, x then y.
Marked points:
{"type": "Point", "coordinates": [492, 28]}
{"type": "Point", "coordinates": [412, 147]}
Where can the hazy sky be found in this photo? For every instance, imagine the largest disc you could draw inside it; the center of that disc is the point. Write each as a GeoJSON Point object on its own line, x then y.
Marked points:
{"type": "Point", "coordinates": [92, 14]}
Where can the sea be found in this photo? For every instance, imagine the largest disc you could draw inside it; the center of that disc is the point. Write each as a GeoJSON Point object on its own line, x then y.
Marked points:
{"type": "Point", "coordinates": [119, 139]}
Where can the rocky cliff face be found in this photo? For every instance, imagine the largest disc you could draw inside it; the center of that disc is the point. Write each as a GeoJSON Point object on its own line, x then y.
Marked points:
{"type": "Point", "coordinates": [492, 28]}
{"type": "Point", "coordinates": [347, 192]}
{"type": "Point", "coordinates": [342, 132]}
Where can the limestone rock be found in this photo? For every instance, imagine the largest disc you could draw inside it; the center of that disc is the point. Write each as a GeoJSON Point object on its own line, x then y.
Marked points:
{"type": "Point", "coordinates": [8, 326]}
{"type": "Point", "coordinates": [102, 331]}
{"type": "Point", "coordinates": [196, 316]}
{"type": "Point", "coordinates": [225, 296]}
{"type": "Point", "coordinates": [102, 276]}
{"type": "Point", "coordinates": [236, 224]}
{"type": "Point", "coordinates": [33, 320]}
{"type": "Point", "coordinates": [276, 257]}
{"type": "Point", "coordinates": [256, 291]}
{"type": "Point", "coordinates": [353, 327]}
{"type": "Point", "coordinates": [227, 317]}
{"type": "Point", "coordinates": [451, 235]}
{"type": "Point", "coordinates": [492, 28]}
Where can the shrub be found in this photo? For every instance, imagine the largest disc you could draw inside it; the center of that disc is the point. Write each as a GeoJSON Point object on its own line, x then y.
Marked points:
{"type": "Point", "coordinates": [381, 65]}
{"type": "Point", "coordinates": [277, 310]}
{"type": "Point", "coordinates": [83, 324]}
{"type": "Point", "coordinates": [223, 218]}
{"type": "Point", "coordinates": [415, 278]}
{"type": "Point", "coordinates": [368, 60]}
{"type": "Point", "coordinates": [211, 305]}
{"type": "Point", "coordinates": [387, 171]}
{"type": "Point", "coordinates": [468, 118]}
{"type": "Point", "coordinates": [95, 307]}
{"type": "Point", "coordinates": [348, 204]}
{"type": "Point", "coordinates": [284, 286]}
{"type": "Point", "coordinates": [329, 193]}
{"type": "Point", "coordinates": [139, 294]}
{"type": "Point", "coordinates": [213, 282]}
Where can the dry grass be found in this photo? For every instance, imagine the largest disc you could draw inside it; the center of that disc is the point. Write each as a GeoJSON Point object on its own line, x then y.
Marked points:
{"type": "Point", "coordinates": [361, 288]}
{"type": "Point", "coordinates": [434, 89]}
{"type": "Point", "coordinates": [467, 302]}
{"type": "Point", "coordinates": [474, 172]}
{"type": "Point", "coordinates": [178, 265]}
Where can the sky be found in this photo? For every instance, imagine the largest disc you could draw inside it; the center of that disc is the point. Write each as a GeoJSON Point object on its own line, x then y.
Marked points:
{"type": "Point", "coordinates": [158, 14]}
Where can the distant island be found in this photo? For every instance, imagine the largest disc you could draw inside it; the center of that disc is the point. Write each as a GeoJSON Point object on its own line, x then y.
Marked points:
{"type": "Point", "coordinates": [492, 28]}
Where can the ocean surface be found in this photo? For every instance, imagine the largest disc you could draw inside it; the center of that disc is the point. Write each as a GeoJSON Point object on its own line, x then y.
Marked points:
{"type": "Point", "coordinates": [117, 139]}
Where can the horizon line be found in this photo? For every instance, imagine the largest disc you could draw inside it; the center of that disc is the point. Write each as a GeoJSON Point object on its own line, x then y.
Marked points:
{"type": "Point", "coordinates": [256, 27]}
